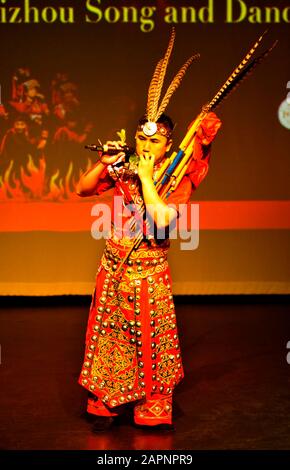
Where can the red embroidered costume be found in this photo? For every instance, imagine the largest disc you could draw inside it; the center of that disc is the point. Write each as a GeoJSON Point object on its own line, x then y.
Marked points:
{"type": "Point", "coordinates": [132, 348]}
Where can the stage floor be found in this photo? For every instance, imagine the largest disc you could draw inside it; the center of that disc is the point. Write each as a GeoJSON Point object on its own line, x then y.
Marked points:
{"type": "Point", "coordinates": [235, 394]}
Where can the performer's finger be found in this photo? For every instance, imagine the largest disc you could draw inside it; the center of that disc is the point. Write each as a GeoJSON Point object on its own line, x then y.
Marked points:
{"type": "Point", "coordinates": [113, 143]}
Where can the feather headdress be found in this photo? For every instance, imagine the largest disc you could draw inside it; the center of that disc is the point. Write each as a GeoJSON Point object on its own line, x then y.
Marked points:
{"type": "Point", "coordinates": [155, 108]}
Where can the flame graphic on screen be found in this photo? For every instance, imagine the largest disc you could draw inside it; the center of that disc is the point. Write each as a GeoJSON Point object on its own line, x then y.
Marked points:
{"type": "Point", "coordinates": [34, 184]}
{"type": "Point", "coordinates": [34, 181]}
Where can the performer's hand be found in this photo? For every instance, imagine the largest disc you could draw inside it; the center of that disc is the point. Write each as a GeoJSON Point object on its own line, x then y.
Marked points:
{"type": "Point", "coordinates": [145, 167]}
{"type": "Point", "coordinates": [110, 159]}
{"type": "Point", "coordinates": [43, 140]}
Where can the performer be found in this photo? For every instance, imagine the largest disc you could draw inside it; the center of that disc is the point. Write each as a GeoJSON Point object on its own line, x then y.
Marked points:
{"type": "Point", "coordinates": [16, 146]}
{"type": "Point", "coordinates": [132, 348]}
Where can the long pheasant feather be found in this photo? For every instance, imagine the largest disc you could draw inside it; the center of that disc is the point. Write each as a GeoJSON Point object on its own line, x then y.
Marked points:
{"type": "Point", "coordinates": [236, 78]}
{"type": "Point", "coordinates": [152, 90]}
{"type": "Point", "coordinates": [163, 69]}
{"type": "Point", "coordinates": [175, 84]}
{"type": "Point", "coordinates": [243, 63]}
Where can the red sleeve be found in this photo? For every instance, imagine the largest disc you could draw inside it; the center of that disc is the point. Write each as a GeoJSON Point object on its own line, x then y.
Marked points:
{"type": "Point", "coordinates": [105, 182]}
{"type": "Point", "coordinates": [182, 193]}
{"type": "Point", "coordinates": [208, 129]}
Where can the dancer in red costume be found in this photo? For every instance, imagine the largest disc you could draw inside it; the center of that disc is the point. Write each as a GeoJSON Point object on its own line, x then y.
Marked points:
{"type": "Point", "coordinates": [132, 348]}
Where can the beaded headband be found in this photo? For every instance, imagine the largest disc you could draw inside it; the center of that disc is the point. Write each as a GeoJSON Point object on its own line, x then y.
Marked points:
{"type": "Point", "coordinates": [150, 128]}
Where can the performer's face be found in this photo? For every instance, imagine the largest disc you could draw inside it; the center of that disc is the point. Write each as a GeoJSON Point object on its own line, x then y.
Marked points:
{"type": "Point", "coordinates": [20, 127]}
{"type": "Point", "coordinates": [32, 92]}
{"type": "Point", "coordinates": [156, 145]}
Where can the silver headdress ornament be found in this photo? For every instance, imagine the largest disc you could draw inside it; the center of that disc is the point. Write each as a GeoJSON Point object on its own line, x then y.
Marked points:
{"type": "Point", "coordinates": [154, 109]}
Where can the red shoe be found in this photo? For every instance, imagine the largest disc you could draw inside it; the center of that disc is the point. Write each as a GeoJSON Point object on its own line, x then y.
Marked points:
{"type": "Point", "coordinates": [156, 411]}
